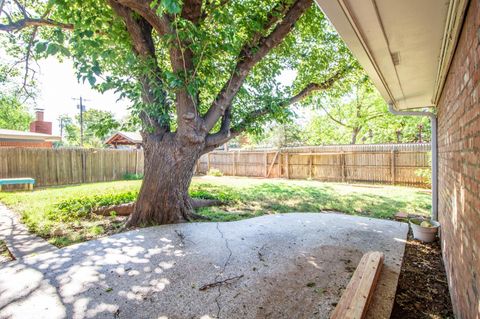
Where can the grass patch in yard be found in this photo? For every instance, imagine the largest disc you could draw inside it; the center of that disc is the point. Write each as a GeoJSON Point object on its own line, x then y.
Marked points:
{"type": "Point", "coordinates": [62, 214]}
{"type": "Point", "coordinates": [258, 197]}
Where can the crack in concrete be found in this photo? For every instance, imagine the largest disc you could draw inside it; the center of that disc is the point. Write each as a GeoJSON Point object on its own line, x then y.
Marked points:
{"type": "Point", "coordinates": [219, 308]}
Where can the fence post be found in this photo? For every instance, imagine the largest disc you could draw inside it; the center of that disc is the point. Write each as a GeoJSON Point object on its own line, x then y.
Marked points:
{"type": "Point", "coordinates": [84, 164]}
{"type": "Point", "coordinates": [392, 166]}
{"type": "Point", "coordinates": [288, 165]}
{"type": "Point", "coordinates": [136, 162]}
{"type": "Point", "coordinates": [310, 168]}
{"type": "Point", "coordinates": [344, 168]}
{"type": "Point", "coordinates": [265, 164]}
{"type": "Point", "coordinates": [234, 164]}
{"type": "Point", "coordinates": [208, 162]}
{"type": "Point", "coordinates": [280, 165]}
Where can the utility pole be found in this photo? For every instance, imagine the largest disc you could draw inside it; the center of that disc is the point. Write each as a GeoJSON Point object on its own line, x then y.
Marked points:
{"type": "Point", "coordinates": [61, 127]}
{"type": "Point", "coordinates": [82, 108]}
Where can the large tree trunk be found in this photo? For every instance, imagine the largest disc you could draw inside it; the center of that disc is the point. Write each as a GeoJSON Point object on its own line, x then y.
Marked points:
{"type": "Point", "coordinates": [169, 167]}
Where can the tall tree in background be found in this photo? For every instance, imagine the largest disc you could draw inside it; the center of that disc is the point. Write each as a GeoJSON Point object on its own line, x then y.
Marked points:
{"type": "Point", "coordinates": [355, 110]}
{"type": "Point", "coordinates": [13, 114]}
{"type": "Point", "coordinates": [99, 124]}
{"type": "Point", "coordinates": [199, 72]}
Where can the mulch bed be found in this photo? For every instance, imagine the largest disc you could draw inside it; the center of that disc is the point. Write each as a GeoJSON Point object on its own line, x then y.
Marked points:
{"type": "Point", "coordinates": [422, 290]}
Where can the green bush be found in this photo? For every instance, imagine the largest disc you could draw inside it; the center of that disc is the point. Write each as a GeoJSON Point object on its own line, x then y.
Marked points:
{"type": "Point", "coordinates": [81, 207]}
{"type": "Point", "coordinates": [214, 172]}
{"type": "Point", "coordinates": [132, 177]}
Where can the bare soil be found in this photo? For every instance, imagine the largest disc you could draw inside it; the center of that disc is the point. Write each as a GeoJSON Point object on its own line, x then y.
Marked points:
{"type": "Point", "coordinates": [422, 290]}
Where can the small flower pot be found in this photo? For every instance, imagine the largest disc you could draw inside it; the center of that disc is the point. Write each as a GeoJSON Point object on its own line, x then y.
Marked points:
{"type": "Point", "coordinates": [425, 234]}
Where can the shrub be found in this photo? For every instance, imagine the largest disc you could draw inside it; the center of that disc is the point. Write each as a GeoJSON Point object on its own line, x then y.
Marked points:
{"type": "Point", "coordinates": [425, 173]}
{"type": "Point", "coordinates": [81, 207]}
{"type": "Point", "coordinates": [214, 172]}
{"type": "Point", "coordinates": [132, 177]}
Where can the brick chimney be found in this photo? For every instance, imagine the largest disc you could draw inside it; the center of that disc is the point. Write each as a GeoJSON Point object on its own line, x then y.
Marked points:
{"type": "Point", "coordinates": [39, 125]}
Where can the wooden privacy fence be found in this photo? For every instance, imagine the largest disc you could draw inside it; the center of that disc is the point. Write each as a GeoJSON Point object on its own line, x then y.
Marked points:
{"type": "Point", "coordinates": [389, 163]}
{"type": "Point", "coordinates": [385, 163]}
{"type": "Point", "coordinates": [65, 166]}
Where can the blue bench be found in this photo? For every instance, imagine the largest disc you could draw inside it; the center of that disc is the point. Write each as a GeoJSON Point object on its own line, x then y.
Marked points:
{"type": "Point", "coordinates": [18, 181]}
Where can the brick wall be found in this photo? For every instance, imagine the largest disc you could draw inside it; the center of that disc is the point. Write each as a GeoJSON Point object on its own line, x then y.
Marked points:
{"type": "Point", "coordinates": [459, 169]}
{"type": "Point", "coordinates": [41, 127]}
{"type": "Point", "coordinates": [25, 144]}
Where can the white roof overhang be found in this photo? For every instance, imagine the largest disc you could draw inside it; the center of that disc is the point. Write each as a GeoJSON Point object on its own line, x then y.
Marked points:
{"type": "Point", "coordinates": [27, 136]}
{"type": "Point", "coordinates": [405, 46]}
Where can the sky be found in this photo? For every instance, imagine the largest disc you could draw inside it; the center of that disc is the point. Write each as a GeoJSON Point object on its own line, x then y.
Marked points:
{"type": "Point", "coordinates": [59, 91]}
{"type": "Point", "coordinates": [58, 86]}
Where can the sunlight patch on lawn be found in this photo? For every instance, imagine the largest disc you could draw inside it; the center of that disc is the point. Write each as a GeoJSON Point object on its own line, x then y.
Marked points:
{"type": "Point", "coordinates": [242, 197]}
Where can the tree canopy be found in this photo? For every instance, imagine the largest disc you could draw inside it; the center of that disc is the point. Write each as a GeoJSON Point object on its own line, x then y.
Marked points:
{"type": "Point", "coordinates": [357, 116]}
{"type": "Point", "coordinates": [199, 72]}
{"type": "Point", "coordinates": [14, 113]}
{"type": "Point", "coordinates": [225, 57]}
{"type": "Point", "coordinates": [97, 126]}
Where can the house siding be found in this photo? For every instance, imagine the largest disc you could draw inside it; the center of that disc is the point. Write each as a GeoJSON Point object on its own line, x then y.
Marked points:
{"type": "Point", "coordinates": [25, 144]}
{"type": "Point", "coordinates": [459, 169]}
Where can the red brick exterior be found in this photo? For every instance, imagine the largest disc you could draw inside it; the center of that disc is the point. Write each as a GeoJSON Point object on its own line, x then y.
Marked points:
{"type": "Point", "coordinates": [459, 169]}
{"type": "Point", "coordinates": [41, 127]}
{"type": "Point", "coordinates": [25, 144]}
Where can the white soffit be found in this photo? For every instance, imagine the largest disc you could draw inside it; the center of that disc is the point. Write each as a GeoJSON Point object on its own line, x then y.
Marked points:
{"type": "Point", "coordinates": [404, 45]}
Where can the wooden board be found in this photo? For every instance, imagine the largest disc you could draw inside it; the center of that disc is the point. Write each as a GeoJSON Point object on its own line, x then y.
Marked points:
{"type": "Point", "coordinates": [356, 298]}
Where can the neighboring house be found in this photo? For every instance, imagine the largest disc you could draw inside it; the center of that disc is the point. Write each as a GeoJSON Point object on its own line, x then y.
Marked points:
{"type": "Point", "coordinates": [40, 134]}
{"type": "Point", "coordinates": [125, 140]}
{"type": "Point", "coordinates": [426, 54]}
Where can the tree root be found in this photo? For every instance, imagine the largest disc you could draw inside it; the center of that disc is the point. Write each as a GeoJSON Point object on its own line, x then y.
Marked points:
{"type": "Point", "coordinates": [194, 216]}
{"type": "Point", "coordinates": [128, 208]}
{"type": "Point", "coordinates": [198, 203]}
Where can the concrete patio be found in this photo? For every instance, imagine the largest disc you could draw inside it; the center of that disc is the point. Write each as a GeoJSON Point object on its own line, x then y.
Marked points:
{"type": "Point", "coordinates": [277, 266]}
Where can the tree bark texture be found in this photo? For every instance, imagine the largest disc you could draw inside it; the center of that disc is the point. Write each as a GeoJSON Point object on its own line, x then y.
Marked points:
{"type": "Point", "coordinates": [169, 166]}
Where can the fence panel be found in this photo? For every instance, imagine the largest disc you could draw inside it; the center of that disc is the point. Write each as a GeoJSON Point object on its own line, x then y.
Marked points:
{"type": "Point", "coordinates": [388, 164]}
{"type": "Point", "coordinates": [381, 163]}
{"type": "Point", "coordinates": [66, 166]}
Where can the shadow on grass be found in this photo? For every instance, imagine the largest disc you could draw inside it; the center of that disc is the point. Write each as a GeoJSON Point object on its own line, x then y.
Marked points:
{"type": "Point", "coordinates": [270, 198]}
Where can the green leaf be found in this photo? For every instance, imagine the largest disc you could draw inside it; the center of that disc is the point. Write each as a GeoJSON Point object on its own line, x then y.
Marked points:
{"type": "Point", "coordinates": [91, 80]}
{"type": "Point", "coordinates": [41, 47]}
{"type": "Point", "coordinates": [171, 6]}
{"type": "Point", "coordinates": [52, 49]}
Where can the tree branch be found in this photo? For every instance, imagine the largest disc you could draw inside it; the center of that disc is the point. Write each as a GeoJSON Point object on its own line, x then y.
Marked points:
{"type": "Point", "coordinates": [32, 22]}
{"type": "Point", "coordinates": [212, 8]}
{"type": "Point", "coordinates": [334, 119]}
{"type": "Point", "coordinates": [141, 35]}
{"type": "Point", "coordinates": [219, 138]}
{"type": "Point", "coordinates": [252, 53]}
{"type": "Point", "coordinates": [161, 24]}
{"type": "Point", "coordinates": [192, 10]}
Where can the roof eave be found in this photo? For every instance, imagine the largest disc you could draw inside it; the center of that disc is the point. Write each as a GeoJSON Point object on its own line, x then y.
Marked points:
{"type": "Point", "coordinates": [373, 38]}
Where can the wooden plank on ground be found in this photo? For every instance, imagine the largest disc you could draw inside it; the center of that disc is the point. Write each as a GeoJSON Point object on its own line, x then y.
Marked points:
{"type": "Point", "coordinates": [356, 298]}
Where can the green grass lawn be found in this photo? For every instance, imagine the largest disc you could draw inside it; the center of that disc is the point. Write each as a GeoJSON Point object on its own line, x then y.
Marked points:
{"type": "Point", "coordinates": [62, 214]}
